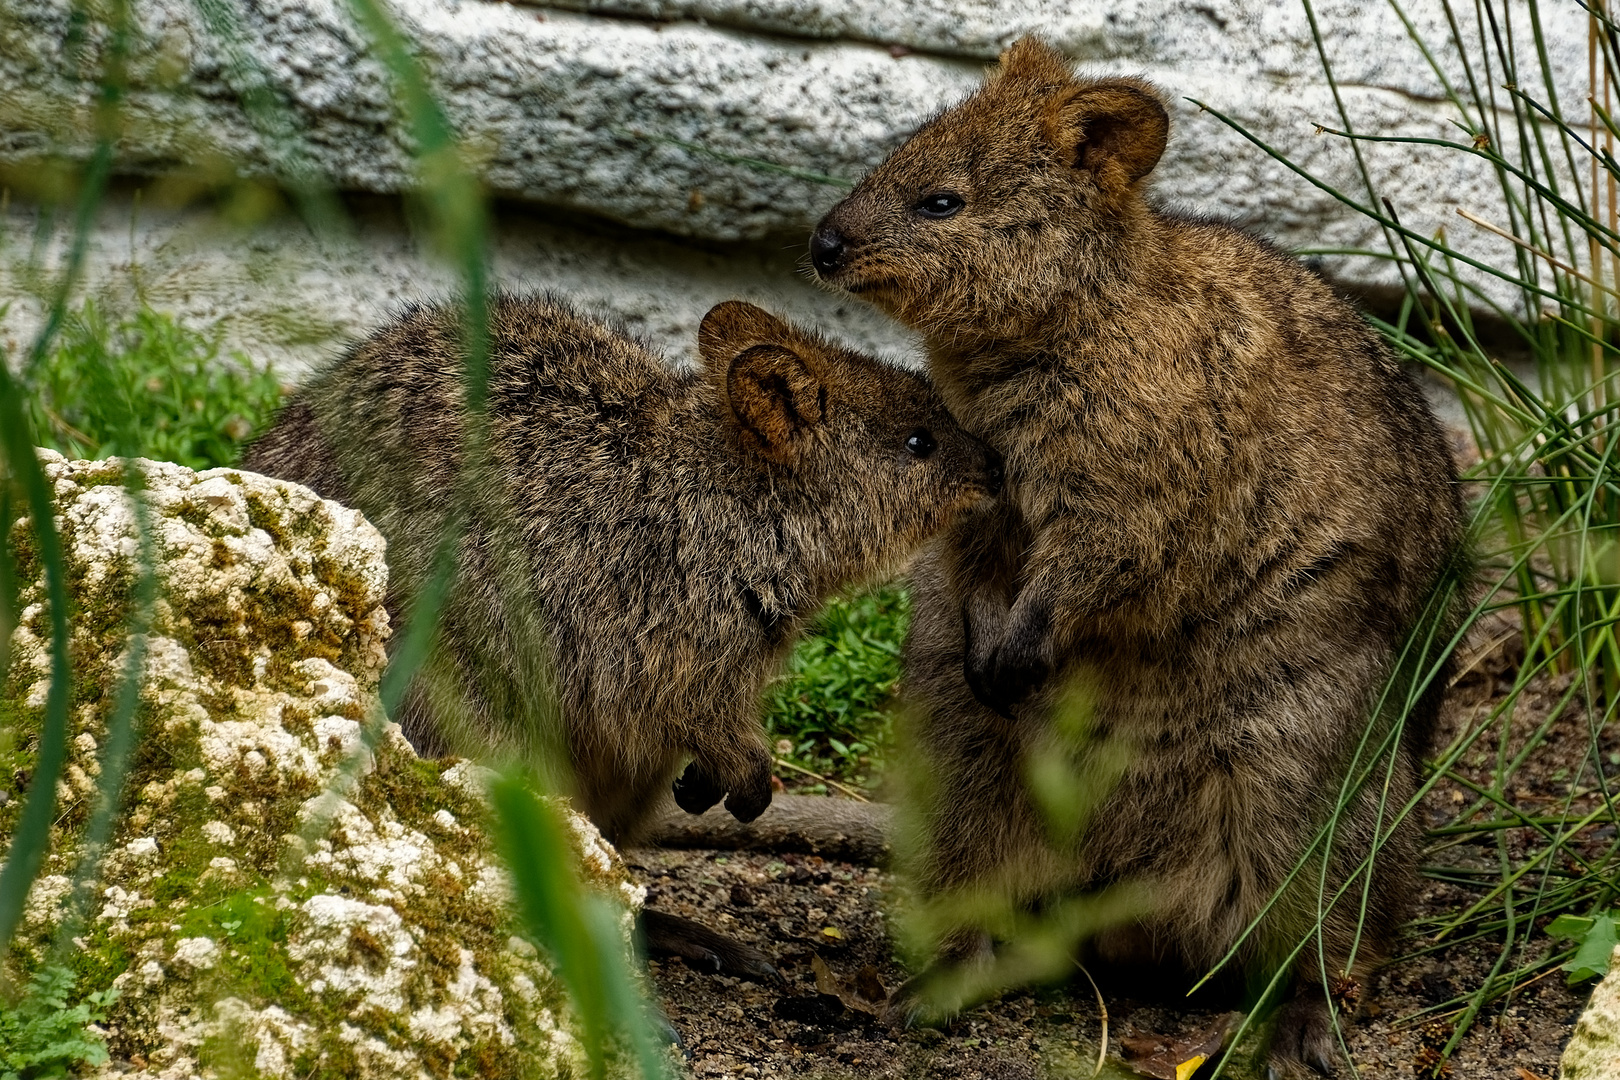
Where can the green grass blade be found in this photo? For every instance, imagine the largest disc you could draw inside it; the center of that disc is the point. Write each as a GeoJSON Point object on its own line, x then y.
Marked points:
{"type": "Point", "coordinates": [32, 834]}
{"type": "Point", "coordinates": [580, 933]}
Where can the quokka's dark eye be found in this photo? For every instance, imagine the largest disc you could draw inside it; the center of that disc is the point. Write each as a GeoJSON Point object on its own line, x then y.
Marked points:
{"type": "Point", "coordinates": [920, 443]}
{"type": "Point", "coordinates": [941, 204]}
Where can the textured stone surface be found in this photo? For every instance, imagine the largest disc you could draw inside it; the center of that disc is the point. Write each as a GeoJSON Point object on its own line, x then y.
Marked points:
{"type": "Point", "coordinates": [575, 109]}
{"type": "Point", "coordinates": [237, 934]}
{"type": "Point", "coordinates": [1593, 1052]}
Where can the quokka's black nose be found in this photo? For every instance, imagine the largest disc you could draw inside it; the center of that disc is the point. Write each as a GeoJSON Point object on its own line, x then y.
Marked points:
{"type": "Point", "coordinates": [994, 471]}
{"type": "Point", "coordinates": [826, 250]}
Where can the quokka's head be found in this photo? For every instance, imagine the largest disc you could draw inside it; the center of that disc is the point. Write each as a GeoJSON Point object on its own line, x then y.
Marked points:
{"type": "Point", "coordinates": [997, 204]}
{"type": "Point", "coordinates": [871, 445]}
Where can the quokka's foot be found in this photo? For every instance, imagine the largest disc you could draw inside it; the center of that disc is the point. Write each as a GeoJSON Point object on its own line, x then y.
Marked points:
{"type": "Point", "coordinates": [1302, 1038]}
{"type": "Point", "coordinates": [911, 1005]}
{"type": "Point", "coordinates": [703, 949]}
{"type": "Point", "coordinates": [934, 996]}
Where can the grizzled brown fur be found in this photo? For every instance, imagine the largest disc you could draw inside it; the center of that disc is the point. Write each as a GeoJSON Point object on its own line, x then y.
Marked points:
{"type": "Point", "coordinates": [1226, 509]}
{"type": "Point", "coordinates": [643, 544]}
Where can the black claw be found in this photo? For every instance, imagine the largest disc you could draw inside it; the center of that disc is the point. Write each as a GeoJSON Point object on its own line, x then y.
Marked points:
{"type": "Point", "coordinates": [1320, 1061]}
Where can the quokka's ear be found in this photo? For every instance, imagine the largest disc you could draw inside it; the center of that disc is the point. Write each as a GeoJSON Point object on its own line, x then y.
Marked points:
{"type": "Point", "coordinates": [1033, 59]}
{"type": "Point", "coordinates": [733, 326]}
{"type": "Point", "coordinates": [1114, 128]}
{"type": "Point", "coordinates": [776, 397]}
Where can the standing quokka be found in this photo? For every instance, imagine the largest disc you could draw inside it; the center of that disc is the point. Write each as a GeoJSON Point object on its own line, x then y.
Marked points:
{"type": "Point", "coordinates": [642, 545]}
{"type": "Point", "coordinates": [1227, 511]}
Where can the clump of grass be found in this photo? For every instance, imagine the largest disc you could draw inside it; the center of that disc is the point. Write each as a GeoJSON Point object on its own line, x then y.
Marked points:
{"type": "Point", "coordinates": [146, 385]}
{"type": "Point", "coordinates": [830, 706]}
{"type": "Point", "coordinates": [1548, 516]}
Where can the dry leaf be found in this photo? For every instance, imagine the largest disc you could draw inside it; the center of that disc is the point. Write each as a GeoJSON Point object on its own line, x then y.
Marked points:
{"type": "Point", "coordinates": [1165, 1058]}
{"type": "Point", "coordinates": [828, 983]}
{"type": "Point", "coordinates": [1526, 1074]}
{"type": "Point", "coordinates": [869, 986]}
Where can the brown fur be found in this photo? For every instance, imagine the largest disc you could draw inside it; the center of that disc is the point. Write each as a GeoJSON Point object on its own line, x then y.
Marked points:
{"type": "Point", "coordinates": [643, 544]}
{"type": "Point", "coordinates": [1226, 509]}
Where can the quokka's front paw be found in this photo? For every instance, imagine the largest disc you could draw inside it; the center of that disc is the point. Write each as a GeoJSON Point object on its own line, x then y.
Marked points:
{"type": "Point", "coordinates": [745, 784]}
{"type": "Point", "coordinates": [1007, 677]}
{"type": "Point", "coordinates": [751, 791]}
{"type": "Point", "coordinates": [1005, 670]}
{"type": "Point", "coordinates": [695, 790]}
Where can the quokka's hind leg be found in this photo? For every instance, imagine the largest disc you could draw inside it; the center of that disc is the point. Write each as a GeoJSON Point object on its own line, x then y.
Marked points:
{"type": "Point", "coordinates": [1303, 1039]}
{"type": "Point", "coordinates": [1357, 931]}
{"type": "Point", "coordinates": [979, 833]}
{"type": "Point", "coordinates": [982, 840]}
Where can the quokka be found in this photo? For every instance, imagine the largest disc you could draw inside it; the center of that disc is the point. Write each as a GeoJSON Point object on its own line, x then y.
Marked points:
{"type": "Point", "coordinates": [1228, 511]}
{"type": "Point", "coordinates": [641, 545]}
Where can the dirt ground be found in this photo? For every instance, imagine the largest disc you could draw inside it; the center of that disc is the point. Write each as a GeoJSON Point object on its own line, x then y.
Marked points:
{"type": "Point", "coordinates": [797, 908]}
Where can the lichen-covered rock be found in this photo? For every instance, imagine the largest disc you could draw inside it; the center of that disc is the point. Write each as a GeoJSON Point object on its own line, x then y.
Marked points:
{"type": "Point", "coordinates": [1593, 1052]}
{"type": "Point", "coordinates": [259, 913]}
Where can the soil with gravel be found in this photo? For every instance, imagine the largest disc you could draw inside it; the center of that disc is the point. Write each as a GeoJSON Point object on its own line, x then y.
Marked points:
{"type": "Point", "coordinates": [798, 908]}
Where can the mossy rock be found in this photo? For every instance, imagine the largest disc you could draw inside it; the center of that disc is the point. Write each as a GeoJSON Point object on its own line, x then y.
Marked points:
{"type": "Point", "coordinates": [1593, 1052]}
{"type": "Point", "coordinates": [276, 900]}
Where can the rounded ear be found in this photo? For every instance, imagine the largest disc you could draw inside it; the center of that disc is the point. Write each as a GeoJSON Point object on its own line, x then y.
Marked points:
{"type": "Point", "coordinates": [1109, 125]}
{"type": "Point", "coordinates": [777, 400]}
{"type": "Point", "coordinates": [733, 326]}
{"type": "Point", "coordinates": [1031, 58]}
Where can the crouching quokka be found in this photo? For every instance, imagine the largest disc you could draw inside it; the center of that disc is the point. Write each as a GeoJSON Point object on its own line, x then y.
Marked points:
{"type": "Point", "coordinates": [1229, 512]}
{"type": "Point", "coordinates": [641, 545]}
